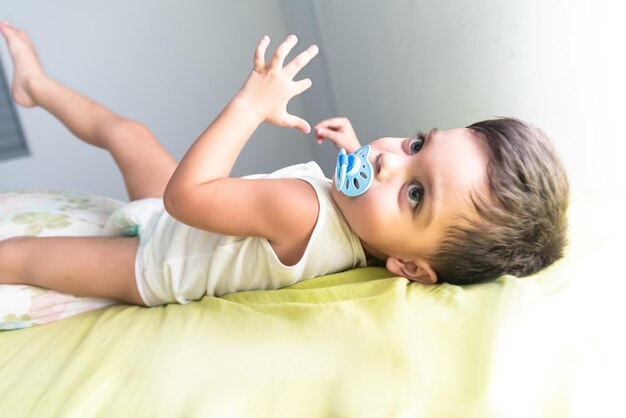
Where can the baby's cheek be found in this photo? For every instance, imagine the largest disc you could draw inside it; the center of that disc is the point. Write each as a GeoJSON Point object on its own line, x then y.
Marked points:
{"type": "Point", "coordinates": [379, 219]}
{"type": "Point", "coordinates": [370, 215]}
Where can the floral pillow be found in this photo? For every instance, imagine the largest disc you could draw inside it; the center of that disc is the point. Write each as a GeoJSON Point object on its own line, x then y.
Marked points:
{"type": "Point", "coordinates": [48, 213]}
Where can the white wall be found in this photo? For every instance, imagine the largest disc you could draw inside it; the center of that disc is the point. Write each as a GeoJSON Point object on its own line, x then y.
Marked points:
{"type": "Point", "coordinates": [393, 67]}
{"type": "Point", "coordinates": [170, 65]}
{"type": "Point", "coordinates": [397, 66]}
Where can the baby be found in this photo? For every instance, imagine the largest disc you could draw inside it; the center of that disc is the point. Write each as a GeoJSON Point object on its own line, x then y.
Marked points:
{"type": "Point", "coordinates": [460, 206]}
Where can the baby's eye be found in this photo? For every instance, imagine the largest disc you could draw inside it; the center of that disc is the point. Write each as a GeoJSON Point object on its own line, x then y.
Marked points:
{"type": "Point", "coordinates": [416, 144]}
{"type": "Point", "coordinates": [415, 193]}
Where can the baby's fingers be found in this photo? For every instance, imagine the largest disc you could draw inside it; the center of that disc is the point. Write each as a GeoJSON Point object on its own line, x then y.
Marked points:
{"type": "Point", "coordinates": [329, 134]}
{"type": "Point", "coordinates": [339, 123]}
{"type": "Point", "coordinates": [303, 85]}
{"type": "Point", "coordinates": [259, 53]}
{"type": "Point", "coordinates": [300, 61]}
{"type": "Point", "coordinates": [282, 51]}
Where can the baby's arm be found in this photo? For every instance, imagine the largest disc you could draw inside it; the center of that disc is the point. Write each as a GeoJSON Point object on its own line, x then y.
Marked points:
{"type": "Point", "coordinates": [339, 131]}
{"type": "Point", "coordinates": [201, 194]}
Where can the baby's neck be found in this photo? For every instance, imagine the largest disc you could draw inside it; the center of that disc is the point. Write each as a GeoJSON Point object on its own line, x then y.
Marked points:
{"type": "Point", "coordinates": [371, 252]}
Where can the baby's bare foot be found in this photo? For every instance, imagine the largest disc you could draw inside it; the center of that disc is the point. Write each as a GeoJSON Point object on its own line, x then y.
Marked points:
{"type": "Point", "coordinates": [26, 66]}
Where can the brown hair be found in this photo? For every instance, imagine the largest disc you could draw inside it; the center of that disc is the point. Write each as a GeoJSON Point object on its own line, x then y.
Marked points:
{"type": "Point", "coordinates": [522, 224]}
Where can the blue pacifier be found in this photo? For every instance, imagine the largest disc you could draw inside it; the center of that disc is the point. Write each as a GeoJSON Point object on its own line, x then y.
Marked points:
{"type": "Point", "coordinates": [353, 175]}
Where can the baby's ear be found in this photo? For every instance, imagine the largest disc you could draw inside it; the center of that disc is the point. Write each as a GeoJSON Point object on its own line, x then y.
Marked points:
{"type": "Point", "coordinates": [418, 270]}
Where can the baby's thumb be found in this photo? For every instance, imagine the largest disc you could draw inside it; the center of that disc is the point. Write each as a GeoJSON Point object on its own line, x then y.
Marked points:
{"type": "Point", "coordinates": [298, 123]}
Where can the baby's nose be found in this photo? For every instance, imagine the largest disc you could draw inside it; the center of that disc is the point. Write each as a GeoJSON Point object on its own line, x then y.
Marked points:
{"type": "Point", "coordinates": [387, 165]}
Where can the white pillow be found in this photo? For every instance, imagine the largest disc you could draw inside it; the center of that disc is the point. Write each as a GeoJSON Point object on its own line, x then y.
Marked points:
{"type": "Point", "coordinates": [48, 213]}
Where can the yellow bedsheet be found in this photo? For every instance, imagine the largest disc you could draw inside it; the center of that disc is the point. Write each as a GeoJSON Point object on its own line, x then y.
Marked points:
{"type": "Point", "coordinates": [354, 344]}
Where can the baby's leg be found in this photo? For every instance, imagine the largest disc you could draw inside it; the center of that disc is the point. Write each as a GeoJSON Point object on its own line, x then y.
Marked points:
{"type": "Point", "coordinates": [101, 267]}
{"type": "Point", "coordinates": [145, 165]}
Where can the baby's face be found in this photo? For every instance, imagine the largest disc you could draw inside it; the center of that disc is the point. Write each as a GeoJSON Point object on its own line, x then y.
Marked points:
{"type": "Point", "coordinates": [419, 186]}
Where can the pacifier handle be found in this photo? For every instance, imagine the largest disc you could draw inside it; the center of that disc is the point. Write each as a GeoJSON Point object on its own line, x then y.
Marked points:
{"type": "Point", "coordinates": [342, 167]}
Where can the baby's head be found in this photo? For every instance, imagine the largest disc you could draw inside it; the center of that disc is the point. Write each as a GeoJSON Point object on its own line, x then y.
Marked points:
{"type": "Point", "coordinates": [463, 205]}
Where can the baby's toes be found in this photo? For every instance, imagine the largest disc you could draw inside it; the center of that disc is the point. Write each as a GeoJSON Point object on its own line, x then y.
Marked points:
{"type": "Point", "coordinates": [5, 28]}
{"type": "Point", "coordinates": [9, 31]}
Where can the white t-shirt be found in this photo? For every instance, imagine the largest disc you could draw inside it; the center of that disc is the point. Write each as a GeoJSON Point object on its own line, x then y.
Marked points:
{"type": "Point", "coordinates": [179, 263]}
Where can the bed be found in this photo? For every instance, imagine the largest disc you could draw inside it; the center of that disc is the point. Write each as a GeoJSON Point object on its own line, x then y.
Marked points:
{"type": "Point", "coordinates": [355, 344]}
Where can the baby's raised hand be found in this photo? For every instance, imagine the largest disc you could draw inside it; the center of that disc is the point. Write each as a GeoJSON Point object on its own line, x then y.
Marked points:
{"type": "Point", "coordinates": [339, 131]}
{"type": "Point", "coordinates": [270, 86]}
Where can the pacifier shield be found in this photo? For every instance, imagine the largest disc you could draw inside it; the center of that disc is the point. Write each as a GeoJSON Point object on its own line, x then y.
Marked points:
{"type": "Point", "coordinates": [353, 174]}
